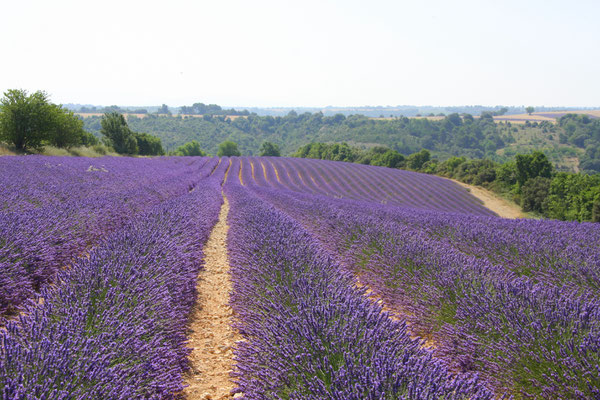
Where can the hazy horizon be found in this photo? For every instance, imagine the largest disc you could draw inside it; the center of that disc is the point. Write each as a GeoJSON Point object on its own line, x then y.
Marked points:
{"type": "Point", "coordinates": [274, 54]}
{"type": "Point", "coordinates": [242, 107]}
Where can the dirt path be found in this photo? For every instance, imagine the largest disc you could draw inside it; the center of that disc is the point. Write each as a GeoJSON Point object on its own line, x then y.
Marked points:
{"type": "Point", "coordinates": [211, 336]}
{"type": "Point", "coordinates": [497, 204]}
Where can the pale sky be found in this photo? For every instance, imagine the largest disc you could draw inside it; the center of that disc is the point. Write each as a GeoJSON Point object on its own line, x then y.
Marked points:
{"type": "Point", "coordinates": [304, 53]}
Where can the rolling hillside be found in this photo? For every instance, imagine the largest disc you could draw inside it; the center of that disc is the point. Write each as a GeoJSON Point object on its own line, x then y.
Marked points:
{"type": "Point", "coordinates": [261, 277]}
{"type": "Point", "coordinates": [571, 145]}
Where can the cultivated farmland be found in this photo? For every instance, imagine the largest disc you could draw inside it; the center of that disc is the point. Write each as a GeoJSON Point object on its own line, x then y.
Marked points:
{"type": "Point", "coordinates": [347, 282]}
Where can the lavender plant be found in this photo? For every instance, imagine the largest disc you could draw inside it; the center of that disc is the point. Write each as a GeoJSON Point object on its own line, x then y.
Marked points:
{"type": "Point", "coordinates": [53, 209]}
{"type": "Point", "coordinates": [114, 325]}
{"type": "Point", "coordinates": [311, 335]}
{"type": "Point", "coordinates": [514, 300]}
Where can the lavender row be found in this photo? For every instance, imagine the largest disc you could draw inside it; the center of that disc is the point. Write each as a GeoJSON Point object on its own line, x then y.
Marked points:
{"type": "Point", "coordinates": [552, 252]}
{"type": "Point", "coordinates": [115, 325]}
{"type": "Point", "coordinates": [33, 182]}
{"type": "Point", "coordinates": [544, 251]}
{"type": "Point", "coordinates": [377, 185]}
{"type": "Point", "coordinates": [530, 337]}
{"type": "Point", "coordinates": [311, 334]}
{"type": "Point", "coordinates": [56, 208]}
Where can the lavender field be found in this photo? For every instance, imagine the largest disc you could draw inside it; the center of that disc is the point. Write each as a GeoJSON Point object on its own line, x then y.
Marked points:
{"type": "Point", "coordinates": [349, 282]}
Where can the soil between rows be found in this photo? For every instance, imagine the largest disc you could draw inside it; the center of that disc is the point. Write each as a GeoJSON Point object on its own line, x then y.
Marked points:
{"type": "Point", "coordinates": [212, 337]}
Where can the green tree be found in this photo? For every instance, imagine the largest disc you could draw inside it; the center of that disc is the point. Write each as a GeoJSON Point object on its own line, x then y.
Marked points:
{"type": "Point", "coordinates": [416, 160]}
{"type": "Point", "coordinates": [149, 145]}
{"type": "Point", "coordinates": [25, 120]}
{"type": "Point", "coordinates": [269, 149]}
{"type": "Point", "coordinates": [190, 149]}
{"type": "Point", "coordinates": [572, 196]}
{"type": "Point", "coordinates": [390, 158]}
{"type": "Point", "coordinates": [88, 139]}
{"type": "Point", "coordinates": [449, 166]}
{"type": "Point", "coordinates": [502, 111]}
{"type": "Point", "coordinates": [596, 210]}
{"type": "Point", "coordinates": [534, 194]}
{"type": "Point", "coordinates": [67, 129]}
{"type": "Point", "coordinates": [507, 173]}
{"type": "Point", "coordinates": [117, 134]}
{"type": "Point", "coordinates": [531, 166]}
{"type": "Point", "coordinates": [228, 149]}
{"type": "Point", "coordinates": [529, 110]}
{"type": "Point", "coordinates": [164, 109]}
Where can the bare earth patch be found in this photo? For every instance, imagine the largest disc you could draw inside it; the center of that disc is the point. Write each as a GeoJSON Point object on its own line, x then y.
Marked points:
{"type": "Point", "coordinates": [212, 337]}
{"type": "Point", "coordinates": [497, 204]}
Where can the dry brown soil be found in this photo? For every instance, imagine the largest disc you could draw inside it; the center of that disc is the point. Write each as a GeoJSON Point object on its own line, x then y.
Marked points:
{"type": "Point", "coordinates": [212, 337]}
{"type": "Point", "coordinates": [492, 201]}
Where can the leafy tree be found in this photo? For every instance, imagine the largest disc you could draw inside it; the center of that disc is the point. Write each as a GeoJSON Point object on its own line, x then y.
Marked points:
{"type": "Point", "coordinates": [454, 119]}
{"type": "Point", "coordinates": [114, 108]}
{"type": "Point", "coordinates": [67, 129]}
{"type": "Point", "coordinates": [190, 149]}
{"type": "Point", "coordinates": [333, 152]}
{"type": "Point", "coordinates": [529, 110]}
{"type": "Point", "coordinates": [596, 210]}
{"type": "Point", "coordinates": [117, 133]}
{"type": "Point", "coordinates": [269, 149]}
{"type": "Point", "coordinates": [88, 139]}
{"type": "Point", "coordinates": [507, 173]}
{"type": "Point", "coordinates": [476, 172]}
{"type": "Point", "coordinates": [572, 196]}
{"type": "Point", "coordinates": [25, 120]}
{"type": "Point", "coordinates": [30, 121]}
{"type": "Point", "coordinates": [149, 145]}
{"type": "Point", "coordinates": [534, 194]}
{"type": "Point", "coordinates": [228, 149]}
{"type": "Point", "coordinates": [450, 165]}
{"type": "Point", "coordinates": [164, 109]}
{"type": "Point", "coordinates": [415, 161]}
{"type": "Point", "coordinates": [390, 158]}
{"type": "Point", "coordinates": [531, 166]}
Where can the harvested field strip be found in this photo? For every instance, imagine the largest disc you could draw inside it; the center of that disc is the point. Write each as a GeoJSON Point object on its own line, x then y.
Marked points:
{"type": "Point", "coordinates": [491, 201]}
{"type": "Point", "coordinates": [212, 338]}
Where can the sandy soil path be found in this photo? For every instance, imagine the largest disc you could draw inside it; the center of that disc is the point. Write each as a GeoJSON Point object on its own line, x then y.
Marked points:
{"type": "Point", "coordinates": [497, 204]}
{"type": "Point", "coordinates": [211, 336]}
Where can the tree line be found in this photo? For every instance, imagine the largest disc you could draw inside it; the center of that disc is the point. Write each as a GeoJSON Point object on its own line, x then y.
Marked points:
{"type": "Point", "coordinates": [209, 109]}
{"type": "Point", "coordinates": [31, 121]}
{"type": "Point", "coordinates": [452, 135]}
{"type": "Point", "coordinates": [227, 148]}
{"type": "Point", "coordinates": [120, 137]}
{"type": "Point", "coordinates": [108, 109]}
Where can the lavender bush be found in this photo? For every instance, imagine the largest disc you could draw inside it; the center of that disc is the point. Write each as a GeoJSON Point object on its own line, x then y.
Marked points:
{"type": "Point", "coordinates": [114, 325]}
{"type": "Point", "coordinates": [514, 300]}
{"type": "Point", "coordinates": [311, 335]}
{"type": "Point", "coordinates": [53, 209]}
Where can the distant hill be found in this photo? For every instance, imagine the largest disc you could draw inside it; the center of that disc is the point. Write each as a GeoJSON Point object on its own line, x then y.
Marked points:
{"type": "Point", "coordinates": [572, 144]}
{"type": "Point", "coordinates": [551, 116]}
{"type": "Point", "coordinates": [368, 111]}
